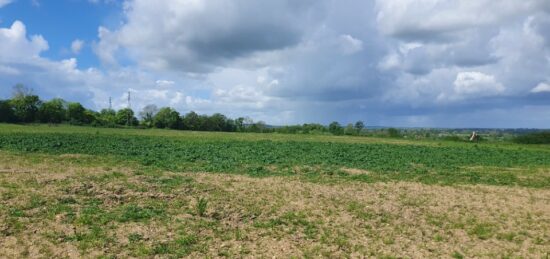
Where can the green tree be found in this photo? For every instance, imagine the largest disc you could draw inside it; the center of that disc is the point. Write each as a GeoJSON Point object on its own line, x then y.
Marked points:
{"type": "Point", "coordinates": [6, 112]}
{"type": "Point", "coordinates": [359, 126]}
{"type": "Point", "coordinates": [335, 128]}
{"type": "Point", "coordinates": [107, 117]}
{"type": "Point", "coordinates": [53, 111]}
{"type": "Point", "coordinates": [217, 122]}
{"type": "Point", "coordinates": [259, 127]}
{"type": "Point", "coordinates": [148, 114]}
{"type": "Point", "coordinates": [239, 124]}
{"type": "Point", "coordinates": [350, 129]}
{"type": "Point", "coordinates": [168, 118]}
{"type": "Point", "coordinates": [191, 121]}
{"type": "Point", "coordinates": [25, 104]}
{"type": "Point", "coordinates": [394, 133]}
{"type": "Point", "coordinates": [91, 117]}
{"type": "Point", "coordinates": [76, 113]}
{"type": "Point", "coordinates": [126, 117]}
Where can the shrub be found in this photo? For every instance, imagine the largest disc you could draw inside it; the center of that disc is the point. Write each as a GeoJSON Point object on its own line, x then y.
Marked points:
{"type": "Point", "coordinates": [202, 203]}
{"type": "Point", "coordinates": [534, 138]}
{"type": "Point", "coordinates": [394, 133]}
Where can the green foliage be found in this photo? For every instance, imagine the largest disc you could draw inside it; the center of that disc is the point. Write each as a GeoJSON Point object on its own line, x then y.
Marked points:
{"type": "Point", "coordinates": [168, 118]}
{"type": "Point", "coordinates": [534, 138]}
{"type": "Point", "coordinates": [53, 111]}
{"type": "Point", "coordinates": [137, 213]}
{"type": "Point", "coordinates": [359, 126]}
{"type": "Point", "coordinates": [6, 111]}
{"type": "Point", "coordinates": [192, 121]}
{"type": "Point", "coordinates": [126, 117]}
{"type": "Point", "coordinates": [76, 114]}
{"type": "Point", "coordinates": [335, 128]}
{"type": "Point", "coordinates": [148, 114]}
{"type": "Point", "coordinates": [454, 138]}
{"type": "Point", "coordinates": [25, 105]}
{"type": "Point", "coordinates": [482, 231]}
{"type": "Point", "coordinates": [394, 133]}
{"type": "Point", "coordinates": [350, 130]}
{"type": "Point", "coordinates": [107, 118]}
{"type": "Point", "coordinates": [201, 205]}
{"type": "Point", "coordinates": [446, 164]}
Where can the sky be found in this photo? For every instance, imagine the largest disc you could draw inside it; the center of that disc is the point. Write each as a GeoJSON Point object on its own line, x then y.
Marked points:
{"type": "Point", "coordinates": [402, 63]}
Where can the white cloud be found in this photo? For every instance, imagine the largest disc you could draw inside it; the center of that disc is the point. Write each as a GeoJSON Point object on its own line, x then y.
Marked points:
{"type": "Point", "coordinates": [76, 46]}
{"type": "Point", "coordinates": [165, 83]}
{"type": "Point", "coordinates": [349, 44]}
{"type": "Point", "coordinates": [437, 19]}
{"type": "Point", "coordinates": [15, 46]}
{"type": "Point", "coordinates": [107, 46]}
{"type": "Point", "coordinates": [473, 83]}
{"type": "Point", "coordinates": [4, 2]}
{"type": "Point", "coordinates": [541, 88]}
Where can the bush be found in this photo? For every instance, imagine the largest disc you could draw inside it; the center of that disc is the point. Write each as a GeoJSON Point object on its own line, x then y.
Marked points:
{"type": "Point", "coordinates": [454, 138]}
{"type": "Point", "coordinates": [534, 138]}
{"type": "Point", "coordinates": [394, 133]}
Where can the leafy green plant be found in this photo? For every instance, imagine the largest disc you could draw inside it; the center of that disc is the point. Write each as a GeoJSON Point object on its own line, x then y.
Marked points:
{"type": "Point", "coordinates": [447, 163]}
{"type": "Point", "coordinates": [201, 206]}
{"type": "Point", "coordinates": [534, 138]}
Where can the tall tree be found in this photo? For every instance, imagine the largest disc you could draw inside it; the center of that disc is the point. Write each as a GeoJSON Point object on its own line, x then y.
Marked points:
{"type": "Point", "coordinates": [25, 104]}
{"type": "Point", "coordinates": [6, 112]}
{"type": "Point", "coordinates": [168, 118]}
{"type": "Point", "coordinates": [107, 117]}
{"type": "Point", "coordinates": [239, 124]}
{"type": "Point", "coordinates": [191, 121]}
{"type": "Point", "coordinates": [335, 128]}
{"type": "Point", "coordinates": [147, 114]}
{"type": "Point", "coordinates": [350, 130]}
{"type": "Point", "coordinates": [359, 126]}
{"type": "Point", "coordinates": [126, 117]}
{"type": "Point", "coordinates": [76, 113]}
{"type": "Point", "coordinates": [53, 111]}
{"type": "Point", "coordinates": [217, 122]}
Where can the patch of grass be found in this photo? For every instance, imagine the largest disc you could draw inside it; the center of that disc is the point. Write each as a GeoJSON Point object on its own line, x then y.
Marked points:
{"type": "Point", "coordinates": [94, 237]}
{"type": "Point", "coordinates": [135, 237]}
{"type": "Point", "coordinates": [231, 153]}
{"type": "Point", "coordinates": [109, 177]}
{"type": "Point", "coordinates": [294, 220]}
{"type": "Point", "coordinates": [201, 206]}
{"type": "Point", "coordinates": [359, 211]}
{"type": "Point", "coordinates": [457, 255]}
{"type": "Point", "coordinates": [169, 183]}
{"type": "Point", "coordinates": [135, 213]}
{"type": "Point", "coordinates": [183, 245]}
{"type": "Point", "coordinates": [92, 214]}
{"type": "Point", "coordinates": [482, 231]}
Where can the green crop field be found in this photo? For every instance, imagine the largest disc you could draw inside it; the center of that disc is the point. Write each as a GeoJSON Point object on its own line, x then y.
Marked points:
{"type": "Point", "coordinates": [81, 191]}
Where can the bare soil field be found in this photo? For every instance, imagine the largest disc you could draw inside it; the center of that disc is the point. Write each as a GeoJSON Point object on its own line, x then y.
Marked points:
{"type": "Point", "coordinates": [81, 206]}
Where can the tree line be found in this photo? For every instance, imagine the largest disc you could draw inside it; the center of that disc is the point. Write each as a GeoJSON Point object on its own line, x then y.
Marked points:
{"type": "Point", "coordinates": [26, 107]}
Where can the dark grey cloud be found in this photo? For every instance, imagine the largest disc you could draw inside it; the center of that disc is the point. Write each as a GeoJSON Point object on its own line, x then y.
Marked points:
{"type": "Point", "coordinates": [198, 36]}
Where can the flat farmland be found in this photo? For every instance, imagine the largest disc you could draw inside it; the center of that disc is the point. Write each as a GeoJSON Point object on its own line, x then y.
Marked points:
{"type": "Point", "coordinates": [82, 191]}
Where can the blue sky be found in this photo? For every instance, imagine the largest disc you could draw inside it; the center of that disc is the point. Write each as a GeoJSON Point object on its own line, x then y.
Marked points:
{"type": "Point", "coordinates": [423, 63]}
{"type": "Point", "coordinates": [62, 22]}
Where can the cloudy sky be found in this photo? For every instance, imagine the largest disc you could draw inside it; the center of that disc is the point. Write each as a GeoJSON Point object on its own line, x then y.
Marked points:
{"type": "Point", "coordinates": [427, 63]}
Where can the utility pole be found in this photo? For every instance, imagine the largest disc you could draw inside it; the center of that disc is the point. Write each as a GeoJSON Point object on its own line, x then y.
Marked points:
{"type": "Point", "coordinates": [110, 104]}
